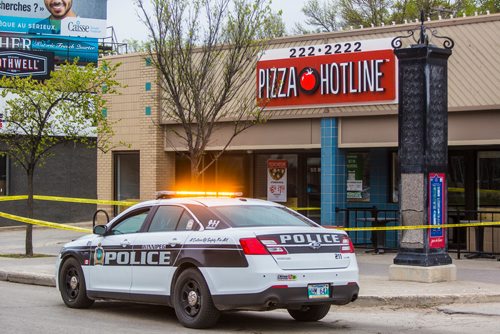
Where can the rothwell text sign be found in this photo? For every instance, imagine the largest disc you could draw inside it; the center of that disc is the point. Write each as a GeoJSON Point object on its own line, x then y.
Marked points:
{"type": "Point", "coordinates": [26, 63]}
{"type": "Point", "coordinates": [344, 73]}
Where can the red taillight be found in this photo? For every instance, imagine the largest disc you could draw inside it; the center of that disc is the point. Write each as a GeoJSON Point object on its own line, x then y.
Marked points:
{"type": "Point", "coordinates": [346, 245]}
{"type": "Point", "coordinates": [273, 247]}
{"type": "Point", "coordinates": [252, 246]}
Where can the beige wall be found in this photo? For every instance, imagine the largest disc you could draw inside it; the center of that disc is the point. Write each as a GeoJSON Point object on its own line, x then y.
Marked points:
{"type": "Point", "coordinates": [133, 127]}
{"type": "Point", "coordinates": [464, 128]}
{"type": "Point", "coordinates": [282, 134]}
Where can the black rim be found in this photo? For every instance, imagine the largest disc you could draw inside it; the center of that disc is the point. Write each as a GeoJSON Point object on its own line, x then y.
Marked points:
{"type": "Point", "coordinates": [72, 281]}
{"type": "Point", "coordinates": [191, 298]}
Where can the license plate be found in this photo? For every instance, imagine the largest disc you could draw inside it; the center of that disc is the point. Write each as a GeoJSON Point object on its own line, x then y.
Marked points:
{"type": "Point", "coordinates": [316, 291]}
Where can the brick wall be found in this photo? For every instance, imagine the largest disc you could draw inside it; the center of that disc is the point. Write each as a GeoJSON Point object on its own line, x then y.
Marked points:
{"type": "Point", "coordinates": [135, 115]}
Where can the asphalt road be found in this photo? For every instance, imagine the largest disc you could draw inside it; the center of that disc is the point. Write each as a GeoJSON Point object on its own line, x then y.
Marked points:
{"type": "Point", "coordinates": [34, 309]}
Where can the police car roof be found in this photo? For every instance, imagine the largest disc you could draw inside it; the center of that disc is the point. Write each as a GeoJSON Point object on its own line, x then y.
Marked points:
{"type": "Point", "coordinates": [212, 201]}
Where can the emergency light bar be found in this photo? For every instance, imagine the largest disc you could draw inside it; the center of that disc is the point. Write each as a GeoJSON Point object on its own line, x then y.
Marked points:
{"type": "Point", "coordinates": [165, 194]}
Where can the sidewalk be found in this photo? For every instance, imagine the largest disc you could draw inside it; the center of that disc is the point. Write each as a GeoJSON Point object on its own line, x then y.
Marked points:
{"type": "Point", "coordinates": [478, 280]}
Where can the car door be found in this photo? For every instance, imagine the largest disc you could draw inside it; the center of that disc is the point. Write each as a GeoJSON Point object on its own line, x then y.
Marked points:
{"type": "Point", "coordinates": [159, 248]}
{"type": "Point", "coordinates": [113, 256]}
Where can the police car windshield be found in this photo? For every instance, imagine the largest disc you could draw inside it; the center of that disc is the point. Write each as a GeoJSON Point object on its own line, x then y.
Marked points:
{"type": "Point", "coordinates": [259, 215]}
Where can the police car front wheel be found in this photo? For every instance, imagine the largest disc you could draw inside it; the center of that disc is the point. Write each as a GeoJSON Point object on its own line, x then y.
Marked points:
{"type": "Point", "coordinates": [192, 301]}
{"type": "Point", "coordinates": [310, 313]}
{"type": "Point", "coordinates": [72, 285]}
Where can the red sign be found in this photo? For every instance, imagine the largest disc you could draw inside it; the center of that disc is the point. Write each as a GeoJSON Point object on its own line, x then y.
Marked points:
{"type": "Point", "coordinates": [325, 75]}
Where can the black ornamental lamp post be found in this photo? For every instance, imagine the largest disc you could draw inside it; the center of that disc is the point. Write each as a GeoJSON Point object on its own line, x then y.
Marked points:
{"type": "Point", "coordinates": [423, 149]}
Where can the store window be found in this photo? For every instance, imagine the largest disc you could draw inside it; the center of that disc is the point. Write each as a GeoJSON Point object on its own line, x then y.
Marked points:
{"type": "Point", "coordinates": [456, 182]}
{"type": "Point", "coordinates": [358, 177]}
{"type": "Point", "coordinates": [4, 174]}
{"type": "Point", "coordinates": [488, 192]}
{"type": "Point", "coordinates": [127, 176]}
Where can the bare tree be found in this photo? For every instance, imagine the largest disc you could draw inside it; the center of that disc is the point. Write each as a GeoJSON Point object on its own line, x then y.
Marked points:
{"type": "Point", "coordinates": [205, 52]}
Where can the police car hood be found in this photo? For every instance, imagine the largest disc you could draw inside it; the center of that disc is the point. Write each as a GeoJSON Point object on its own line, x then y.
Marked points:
{"type": "Point", "coordinates": [81, 241]}
{"type": "Point", "coordinates": [297, 248]}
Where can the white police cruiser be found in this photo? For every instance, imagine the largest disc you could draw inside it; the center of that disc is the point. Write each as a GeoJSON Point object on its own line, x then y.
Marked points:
{"type": "Point", "coordinates": [202, 256]}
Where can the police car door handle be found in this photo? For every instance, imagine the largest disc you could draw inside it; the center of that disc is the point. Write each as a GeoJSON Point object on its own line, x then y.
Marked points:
{"type": "Point", "coordinates": [125, 243]}
{"type": "Point", "coordinates": [174, 242]}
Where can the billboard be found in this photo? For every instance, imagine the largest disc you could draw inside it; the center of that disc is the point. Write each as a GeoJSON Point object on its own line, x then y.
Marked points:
{"type": "Point", "coordinates": [26, 63]}
{"type": "Point", "coordinates": [78, 18]}
{"type": "Point", "coordinates": [64, 48]}
{"type": "Point", "coordinates": [335, 74]}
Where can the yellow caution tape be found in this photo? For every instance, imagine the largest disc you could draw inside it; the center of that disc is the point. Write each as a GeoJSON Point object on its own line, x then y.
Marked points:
{"type": "Point", "coordinates": [390, 228]}
{"type": "Point", "coordinates": [305, 209]}
{"type": "Point", "coordinates": [413, 227]}
{"type": "Point", "coordinates": [83, 200]}
{"type": "Point", "coordinates": [13, 198]}
{"type": "Point", "coordinates": [67, 199]}
{"type": "Point", "coordinates": [44, 223]}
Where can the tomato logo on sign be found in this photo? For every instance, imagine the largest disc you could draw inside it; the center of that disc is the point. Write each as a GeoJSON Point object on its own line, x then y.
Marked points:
{"type": "Point", "coordinates": [309, 80]}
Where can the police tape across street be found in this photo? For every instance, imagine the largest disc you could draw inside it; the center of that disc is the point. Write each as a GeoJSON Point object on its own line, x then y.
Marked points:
{"type": "Point", "coordinates": [130, 203]}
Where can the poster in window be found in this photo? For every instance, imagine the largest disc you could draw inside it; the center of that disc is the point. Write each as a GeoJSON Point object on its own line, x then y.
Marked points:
{"type": "Point", "coordinates": [277, 180]}
{"type": "Point", "coordinates": [358, 182]}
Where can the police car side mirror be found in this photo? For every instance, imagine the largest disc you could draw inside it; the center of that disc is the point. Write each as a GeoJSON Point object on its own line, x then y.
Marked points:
{"type": "Point", "coordinates": [100, 229]}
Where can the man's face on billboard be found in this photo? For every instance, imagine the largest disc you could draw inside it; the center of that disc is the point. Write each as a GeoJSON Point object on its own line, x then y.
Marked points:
{"type": "Point", "coordinates": [58, 8]}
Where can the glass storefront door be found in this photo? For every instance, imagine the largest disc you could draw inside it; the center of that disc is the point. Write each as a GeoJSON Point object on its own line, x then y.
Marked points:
{"type": "Point", "coordinates": [4, 173]}
{"type": "Point", "coordinates": [313, 199]}
{"type": "Point", "coordinates": [127, 177]}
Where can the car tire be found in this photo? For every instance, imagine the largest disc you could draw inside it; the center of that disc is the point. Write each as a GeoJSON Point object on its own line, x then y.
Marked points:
{"type": "Point", "coordinates": [192, 301]}
{"type": "Point", "coordinates": [72, 285]}
{"type": "Point", "coordinates": [310, 313]}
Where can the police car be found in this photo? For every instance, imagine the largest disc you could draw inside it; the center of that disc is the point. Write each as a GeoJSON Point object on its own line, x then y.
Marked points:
{"type": "Point", "coordinates": [205, 255]}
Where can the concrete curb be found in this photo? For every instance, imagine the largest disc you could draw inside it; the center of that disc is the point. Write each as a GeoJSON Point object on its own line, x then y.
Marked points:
{"type": "Point", "coordinates": [424, 301]}
{"type": "Point", "coordinates": [363, 301]}
{"type": "Point", "coordinates": [28, 278]}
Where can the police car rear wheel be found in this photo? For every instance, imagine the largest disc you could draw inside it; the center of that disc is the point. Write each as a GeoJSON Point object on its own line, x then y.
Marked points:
{"type": "Point", "coordinates": [192, 301]}
{"type": "Point", "coordinates": [72, 285]}
{"type": "Point", "coordinates": [310, 313]}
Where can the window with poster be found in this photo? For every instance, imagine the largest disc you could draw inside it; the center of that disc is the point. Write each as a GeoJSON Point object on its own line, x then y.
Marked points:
{"type": "Point", "coordinates": [274, 170]}
{"type": "Point", "coordinates": [358, 177]}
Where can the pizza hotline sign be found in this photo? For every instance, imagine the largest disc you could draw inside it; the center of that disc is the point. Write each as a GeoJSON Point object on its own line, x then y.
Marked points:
{"type": "Point", "coordinates": [344, 73]}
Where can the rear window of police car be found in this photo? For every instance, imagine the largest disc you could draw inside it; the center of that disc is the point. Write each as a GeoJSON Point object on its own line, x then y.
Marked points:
{"type": "Point", "coordinates": [256, 215]}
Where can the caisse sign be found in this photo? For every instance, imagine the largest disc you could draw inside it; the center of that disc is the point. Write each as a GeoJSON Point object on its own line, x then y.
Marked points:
{"type": "Point", "coordinates": [276, 180]}
{"type": "Point", "coordinates": [346, 73]}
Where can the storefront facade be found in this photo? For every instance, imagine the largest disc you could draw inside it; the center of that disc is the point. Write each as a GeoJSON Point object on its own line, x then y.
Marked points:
{"type": "Point", "coordinates": [338, 154]}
